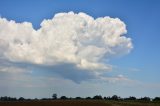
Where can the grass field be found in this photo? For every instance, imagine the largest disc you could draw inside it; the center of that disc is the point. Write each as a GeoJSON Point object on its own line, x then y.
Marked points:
{"type": "Point", "coordinates": [75, 103]}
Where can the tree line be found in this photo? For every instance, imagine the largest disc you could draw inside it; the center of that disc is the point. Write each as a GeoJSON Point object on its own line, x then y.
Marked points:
{"type": "Point", "coordinates": [96, 97]}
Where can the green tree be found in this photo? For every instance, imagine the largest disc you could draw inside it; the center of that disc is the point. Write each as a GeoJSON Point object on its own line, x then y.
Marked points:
{"type": "Point", "coordinates": [115, 97]}
{"type": "Point", "coordinates": [63, 97]}
{"type": "Point", "coordinates": [54, 96]}
{"type": "Point", "coordinates": [97, 97]}
{"type": "Point", "coordinates": [156, 99]}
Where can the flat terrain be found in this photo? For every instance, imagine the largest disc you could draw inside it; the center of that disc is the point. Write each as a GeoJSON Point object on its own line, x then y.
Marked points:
{"type": "Point", "coordinates": [75, 103]}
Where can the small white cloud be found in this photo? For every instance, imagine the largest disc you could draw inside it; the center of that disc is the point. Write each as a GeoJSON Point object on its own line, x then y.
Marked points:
{"type": "Point", "coordinates": [66, 38]}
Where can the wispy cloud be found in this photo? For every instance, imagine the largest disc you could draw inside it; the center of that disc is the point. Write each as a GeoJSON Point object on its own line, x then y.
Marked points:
{"type": "Point", "coordinates": [135, 69]}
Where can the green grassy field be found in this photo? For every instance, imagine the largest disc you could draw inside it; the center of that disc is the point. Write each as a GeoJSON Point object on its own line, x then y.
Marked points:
{"type": "Point", "coordinates": [76, 103]}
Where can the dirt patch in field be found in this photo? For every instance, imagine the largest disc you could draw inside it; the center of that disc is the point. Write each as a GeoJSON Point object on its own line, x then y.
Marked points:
{"type": "Point", "coordinates": [56, 103]}
{"type": "Point", "coordinates": [75, 103]}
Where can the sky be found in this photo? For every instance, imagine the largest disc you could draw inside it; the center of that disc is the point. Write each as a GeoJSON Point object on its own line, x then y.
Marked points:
{"type": "Point", "coordinates": [79, 48]}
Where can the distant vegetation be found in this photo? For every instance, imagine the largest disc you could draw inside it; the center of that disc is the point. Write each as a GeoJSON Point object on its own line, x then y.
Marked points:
{"type": "Point", "coordinates": [96, 97]}
{"type": "Point", "coordinates": [96, 100]}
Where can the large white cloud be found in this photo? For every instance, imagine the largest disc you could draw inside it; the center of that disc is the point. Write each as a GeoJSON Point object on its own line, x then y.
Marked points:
{"type": "Point", "coordinates": [66, 38]}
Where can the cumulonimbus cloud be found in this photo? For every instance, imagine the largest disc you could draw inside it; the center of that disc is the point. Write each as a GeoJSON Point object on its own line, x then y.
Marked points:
{"type": "Point", "coordinates": [66, 38]}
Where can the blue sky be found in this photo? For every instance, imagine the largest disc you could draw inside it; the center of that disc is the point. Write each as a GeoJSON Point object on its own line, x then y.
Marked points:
{"type": "Point", "coordinates": [141, 65]}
